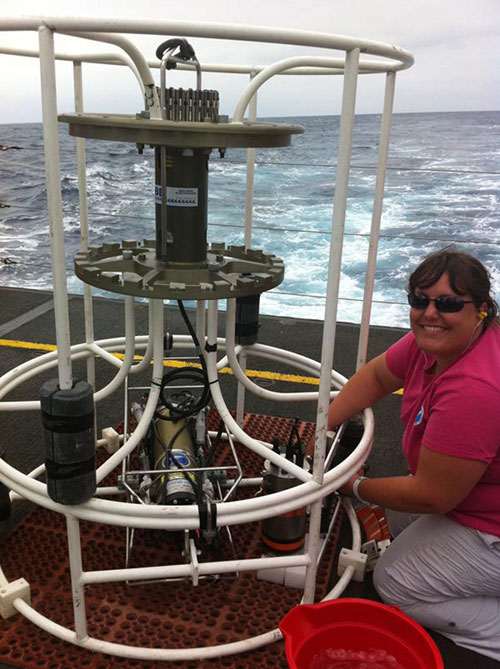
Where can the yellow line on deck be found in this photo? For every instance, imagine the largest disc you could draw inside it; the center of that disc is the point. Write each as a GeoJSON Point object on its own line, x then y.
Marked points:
{"type": "Point", "coordinates": [27, 344]}
{"type": "Point", "coordinates": [292, 378]}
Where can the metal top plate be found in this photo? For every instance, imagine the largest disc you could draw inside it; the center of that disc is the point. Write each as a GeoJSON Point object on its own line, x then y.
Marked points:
{"type": "Point", "coordinates": [184, 134]}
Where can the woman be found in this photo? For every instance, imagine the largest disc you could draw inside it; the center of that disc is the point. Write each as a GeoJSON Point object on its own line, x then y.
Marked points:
{"type": "Point", "coordinates": [443, 567]}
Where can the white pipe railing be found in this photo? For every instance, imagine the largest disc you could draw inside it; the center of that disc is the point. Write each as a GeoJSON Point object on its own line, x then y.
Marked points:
{"type": "Point", "coordinates": [54, 204]}
{"type": "Point", "coordinates": [151, 101]}
{"type": "Point", "coordinates": [335, 261]}
{"type": "Point", "coordinates": [250, 177]}
{"type": "Point", "coordinates": [312, 487]}
{"type": "Point", "coordinates": [126, 363]}
{"type": "Point", "coordinates": [270, 71]}
{"type": "Point", "coordinates": [84, 219]}
{"type": "Point", "coordinates": [243, 379]}
{"type": "Point", "coordinates": [383, 153]}
{"type": "Point", "coordinates": [186, 517]}
{"type": "Point", "coordinates": [183, 654]}
{"type": "Point", "coordinates": [247, 240]}
{"type": "Point", "coordinates": [329, 329]}
{"type": "Point", "coordinates": [143, 425]}
{"type": "Point", "coordinates": [110, 58]}
{"type": "Point", "coordinates": [148, 353]}
{"type": "Point", "coordinates": [231, 424]}
{"type": "Point", "coordinates": [398, 58]}
{"type": "Point", "coordinates": [75, 565]}
{"type": "Point", "coordinates": [46, 361]}
{"type": "Point", "coordinates": [186, 570]}
{"type": "Point", "coordinates": [366, 67]}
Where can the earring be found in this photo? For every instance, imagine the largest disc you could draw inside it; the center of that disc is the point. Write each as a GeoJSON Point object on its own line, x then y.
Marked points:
{"type": "Point", "coordinates": [482, 315]}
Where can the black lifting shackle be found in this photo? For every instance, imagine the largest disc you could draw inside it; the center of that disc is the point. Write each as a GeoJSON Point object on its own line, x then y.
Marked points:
{"type": "Point", "coordinates": [186, 51]}
{"type": "Point", "coordinates": [185, 54]}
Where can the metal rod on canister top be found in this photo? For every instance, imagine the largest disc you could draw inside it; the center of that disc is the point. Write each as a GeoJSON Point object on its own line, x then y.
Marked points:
{"type": "Point", "coordinates": [84, 220]}
{"type": "Point", "coordinates": [383, 152]}
{"type": "Point", "coordinates": [161, 198]}
{"type": "Point", "coordinates": [54, 204]}
{"type": "Point", "coordinates": [163, 103]}
{"type": "Point", "coordinates": [161, 252]}
{"type": "Point", "coordinates": [332, 293]}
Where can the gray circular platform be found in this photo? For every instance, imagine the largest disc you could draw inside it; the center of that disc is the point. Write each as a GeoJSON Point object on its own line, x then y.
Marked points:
{"type": "Point", "coordinates": [131, 268]}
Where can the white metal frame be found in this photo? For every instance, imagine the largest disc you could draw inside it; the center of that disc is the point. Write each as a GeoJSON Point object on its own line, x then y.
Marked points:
{"type": "Point", "coordinates": [314, 487]}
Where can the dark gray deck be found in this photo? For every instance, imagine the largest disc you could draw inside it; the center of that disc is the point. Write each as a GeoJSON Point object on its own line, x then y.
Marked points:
{"type": "Point", "coordinates": [27, 316]}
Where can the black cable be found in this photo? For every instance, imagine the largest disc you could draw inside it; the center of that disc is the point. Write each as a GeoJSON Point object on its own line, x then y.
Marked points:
{"type": "Point", "coordinates": [216, 441]}
{"type": "Point", "coordinates": [199, 352]}
{"type": "Point", "coordinates": [184, 409]}
{"type": "Point", "coordinates": [190, 405]}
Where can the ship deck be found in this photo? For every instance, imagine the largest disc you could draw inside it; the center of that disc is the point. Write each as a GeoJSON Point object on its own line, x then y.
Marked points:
{"type": "Point", "coordinates": [27, 329]}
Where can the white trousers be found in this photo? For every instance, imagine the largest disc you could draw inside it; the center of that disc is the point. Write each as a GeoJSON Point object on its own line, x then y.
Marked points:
{"type": "Point", "coordinates": [446, 577]}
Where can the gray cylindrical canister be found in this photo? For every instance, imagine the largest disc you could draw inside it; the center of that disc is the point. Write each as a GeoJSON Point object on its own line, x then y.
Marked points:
{"type": "Point", "coordinates": [68, 421]}
{"type": "Point", "coordinates": [283, 534]}
{"type": "Point", "coordinates": [181, 233]}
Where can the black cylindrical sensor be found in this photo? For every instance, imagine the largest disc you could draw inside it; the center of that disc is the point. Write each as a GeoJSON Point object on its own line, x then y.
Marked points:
{"type": "Point", "coordinates": [247, 319]}
{"type": "Point", "coordinates": [68, 421]}
{"type": "Point", "coordinates": [181, 233]}
{"type": "Point", "coordinates": [5, 504]}
{"type": "Point", "coordinates": [350, 439]}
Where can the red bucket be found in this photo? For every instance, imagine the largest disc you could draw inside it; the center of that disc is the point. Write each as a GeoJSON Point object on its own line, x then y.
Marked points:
{"type": "Point", "coordinates": [357, 625]}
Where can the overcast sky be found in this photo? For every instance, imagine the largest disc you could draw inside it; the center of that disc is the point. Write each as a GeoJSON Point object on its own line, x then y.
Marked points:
{"type": "Point", "coordinates": [455, 44]}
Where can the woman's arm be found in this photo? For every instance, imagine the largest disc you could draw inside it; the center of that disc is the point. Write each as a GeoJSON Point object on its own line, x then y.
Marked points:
{"type": "Point", "coordinates": [372, 382]}
{"type": "Point", "coordinates": [440, 483]}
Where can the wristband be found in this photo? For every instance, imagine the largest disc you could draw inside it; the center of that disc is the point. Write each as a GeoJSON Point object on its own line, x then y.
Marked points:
{"type": "Point", "coordinates": [355, 489]}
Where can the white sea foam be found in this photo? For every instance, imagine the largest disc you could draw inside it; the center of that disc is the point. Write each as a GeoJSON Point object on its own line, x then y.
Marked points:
{"type": "Point", "coordinates": [421, 208]}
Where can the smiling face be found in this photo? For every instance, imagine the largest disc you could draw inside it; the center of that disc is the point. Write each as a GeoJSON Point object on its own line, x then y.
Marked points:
{"type": "Point", "coordinates": [445, 336]}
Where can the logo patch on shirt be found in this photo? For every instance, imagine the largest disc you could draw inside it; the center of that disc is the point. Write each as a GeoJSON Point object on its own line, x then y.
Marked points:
{"type": "Point", "coordinates": [419, 416]}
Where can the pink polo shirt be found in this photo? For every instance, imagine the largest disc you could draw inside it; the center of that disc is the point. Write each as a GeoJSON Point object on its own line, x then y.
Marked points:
{"type": "Point", "coordinates": [456, 412]}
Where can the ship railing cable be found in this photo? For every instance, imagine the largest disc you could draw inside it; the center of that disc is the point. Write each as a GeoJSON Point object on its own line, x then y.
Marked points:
{"type": "Point", "coordinates": [262, 163]}
{"type": "Point", "coordinates": [271, 163]}
{"type": "Point", "coordinates": [426, 238]}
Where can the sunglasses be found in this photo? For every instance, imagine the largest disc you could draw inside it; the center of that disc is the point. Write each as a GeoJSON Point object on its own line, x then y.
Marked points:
{"type": "Point", "coordinates": [446, 305]}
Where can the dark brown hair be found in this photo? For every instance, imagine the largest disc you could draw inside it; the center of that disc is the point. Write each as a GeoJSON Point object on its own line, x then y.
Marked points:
{"type": "Point", "coordinates": [466, 274]}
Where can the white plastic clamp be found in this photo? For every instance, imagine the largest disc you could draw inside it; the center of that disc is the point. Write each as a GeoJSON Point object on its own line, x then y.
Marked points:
{"type": "Point", "coordinates": [9, 592]}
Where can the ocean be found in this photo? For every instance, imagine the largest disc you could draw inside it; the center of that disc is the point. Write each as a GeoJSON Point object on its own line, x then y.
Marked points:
{"type": "Point", "coordinates": [442, 187]}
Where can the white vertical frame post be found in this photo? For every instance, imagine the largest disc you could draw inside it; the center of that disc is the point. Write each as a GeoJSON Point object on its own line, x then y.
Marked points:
{"type": "Point", "coordinates": [201, 322]}
{"type": "Point", "coordinates": [84, 219]}
{"type": "Point", "coordinates": [54, 204]}
{"type": "Point", "coordinates": [240, 394]}
{"type": "Point", "coordinates": [332, 294]}
{"type": "Point", "coordinates": [383, 152]}
{"type": "Point", "coordinates": [75, 565]}
{"type": "Point", "coordinates": [249, 193]}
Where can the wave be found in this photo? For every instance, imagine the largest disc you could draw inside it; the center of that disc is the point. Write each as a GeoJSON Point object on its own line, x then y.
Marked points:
{"type": "Point", "coordinates": [423, 210]}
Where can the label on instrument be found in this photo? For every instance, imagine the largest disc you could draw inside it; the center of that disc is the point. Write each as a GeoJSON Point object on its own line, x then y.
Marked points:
{"type": "Point", "coordinates": [181, 197]}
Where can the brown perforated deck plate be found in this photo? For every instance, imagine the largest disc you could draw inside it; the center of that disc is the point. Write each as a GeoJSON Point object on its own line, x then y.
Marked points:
{"type": "Point", "coordinates": [162, 615]}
